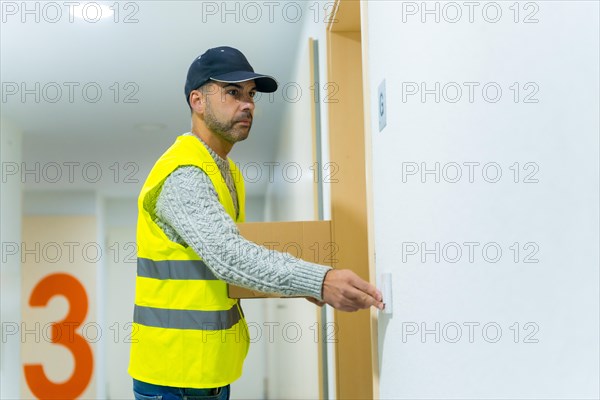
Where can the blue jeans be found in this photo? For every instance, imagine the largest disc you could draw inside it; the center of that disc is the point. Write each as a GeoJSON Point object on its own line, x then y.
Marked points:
{"type": "Point", "coordinates": [147, 391]}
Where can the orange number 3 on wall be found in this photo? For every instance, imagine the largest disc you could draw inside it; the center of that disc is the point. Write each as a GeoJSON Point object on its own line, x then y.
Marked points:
{"type": "Point", "coordinates": [63, 333]}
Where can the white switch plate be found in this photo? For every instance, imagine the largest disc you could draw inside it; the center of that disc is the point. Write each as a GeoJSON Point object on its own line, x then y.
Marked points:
{"type": "Point", "coordinates": [386, 291]}
{"type": "Point", "coordinates": [381, 106]}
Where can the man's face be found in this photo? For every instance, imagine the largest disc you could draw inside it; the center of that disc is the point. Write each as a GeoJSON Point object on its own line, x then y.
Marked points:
{"type": "Point", "coordinates": [229, 109]}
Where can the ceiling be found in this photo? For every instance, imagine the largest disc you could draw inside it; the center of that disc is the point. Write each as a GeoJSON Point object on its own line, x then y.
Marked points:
{"type": "Point", "coordinates": [140, 68]}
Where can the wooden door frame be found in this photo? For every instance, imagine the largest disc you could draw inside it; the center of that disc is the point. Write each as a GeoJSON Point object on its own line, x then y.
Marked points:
{"type": "Point", "coordinates": [356, 354]}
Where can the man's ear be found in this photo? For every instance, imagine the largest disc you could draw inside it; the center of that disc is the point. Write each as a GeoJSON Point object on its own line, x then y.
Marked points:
{"type": "Point", "coordinates": [197, 101]}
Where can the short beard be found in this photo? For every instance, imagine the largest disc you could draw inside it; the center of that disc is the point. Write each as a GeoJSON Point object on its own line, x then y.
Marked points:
{"type": "Point", "coordinates": [222, 129]}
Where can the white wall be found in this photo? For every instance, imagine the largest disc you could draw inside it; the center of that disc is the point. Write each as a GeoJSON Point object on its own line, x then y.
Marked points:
{"type": "Point", "coordinates": [255, 208]}
{"type": "Point", "coordinates": [120, 217]}
{"type": "Point", "coordinates": [10, 273]}
{"type": "Point", "coordinates": [556, 355]}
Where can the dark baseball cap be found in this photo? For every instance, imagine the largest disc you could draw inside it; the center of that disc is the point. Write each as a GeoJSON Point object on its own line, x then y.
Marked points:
{"type": "Point", "coordinates": [225, 64]}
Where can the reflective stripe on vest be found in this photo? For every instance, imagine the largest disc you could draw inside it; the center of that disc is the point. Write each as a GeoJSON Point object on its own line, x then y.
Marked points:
{"type": "Point", "coordinates": [174, 269]}
{"type": "Point", "coordinates": [186, 319]}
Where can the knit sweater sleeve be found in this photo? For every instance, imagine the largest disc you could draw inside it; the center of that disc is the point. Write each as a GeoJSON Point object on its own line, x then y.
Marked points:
{"type": "Point", "coordinates": [188, 207]}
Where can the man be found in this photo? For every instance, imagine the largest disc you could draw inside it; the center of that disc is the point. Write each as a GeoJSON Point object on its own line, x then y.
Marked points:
{"type": "Point", "coordinates": [190, 338]}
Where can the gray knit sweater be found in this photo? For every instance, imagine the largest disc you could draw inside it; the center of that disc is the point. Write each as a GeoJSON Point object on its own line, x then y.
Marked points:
{"type": "Point", "coordinates": [189, 212]}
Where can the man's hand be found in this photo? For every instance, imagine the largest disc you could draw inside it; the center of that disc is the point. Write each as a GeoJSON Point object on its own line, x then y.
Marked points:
{"type": "Point", "coordinates": [346, 291]}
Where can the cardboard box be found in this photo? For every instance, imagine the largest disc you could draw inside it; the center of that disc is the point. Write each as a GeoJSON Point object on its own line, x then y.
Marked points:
{"type": "Point", "coordinates": [308, 240]}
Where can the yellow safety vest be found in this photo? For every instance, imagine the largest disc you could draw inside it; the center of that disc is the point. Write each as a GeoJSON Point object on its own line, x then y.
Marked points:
{"type": "Point", "coordinates": [186, 331]}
